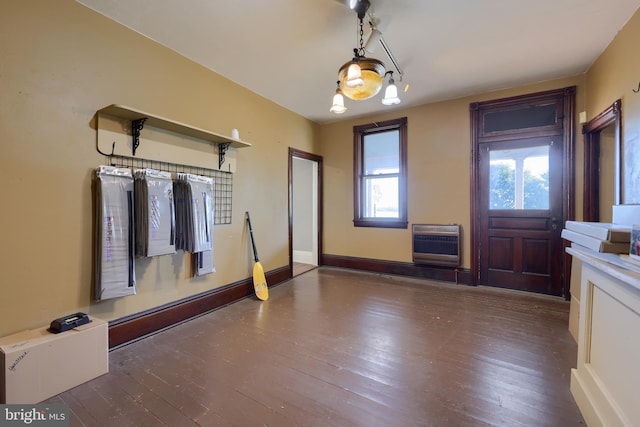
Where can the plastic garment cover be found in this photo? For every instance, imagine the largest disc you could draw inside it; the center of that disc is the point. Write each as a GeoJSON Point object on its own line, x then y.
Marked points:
{"type": "Point", "coordinates": [154, 211]}
{"type": "Point", "coordinates": [115, 237]}
{"type": "Point", "coordinates": [194, 198]}
{"type": "Point", "coordinates": [203, 263]}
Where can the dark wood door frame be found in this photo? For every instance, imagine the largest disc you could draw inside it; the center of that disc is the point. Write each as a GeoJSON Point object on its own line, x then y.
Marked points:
{"type": "Point", "coordinates": [568, 179]}
{"type": "Point", "coordinates": [314, 158]}
{"type": "Point", "coordinates": [591, 131]}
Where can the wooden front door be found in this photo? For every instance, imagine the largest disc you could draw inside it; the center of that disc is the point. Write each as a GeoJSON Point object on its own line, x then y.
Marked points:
{"type": "Point", "coordinates": [521, 214]}
{"type": "Point", "coordinates": [521, 191]}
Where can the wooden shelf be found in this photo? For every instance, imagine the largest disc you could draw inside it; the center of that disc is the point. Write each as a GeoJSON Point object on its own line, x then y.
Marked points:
{"type": "Point", "coordinates": [170, 125]}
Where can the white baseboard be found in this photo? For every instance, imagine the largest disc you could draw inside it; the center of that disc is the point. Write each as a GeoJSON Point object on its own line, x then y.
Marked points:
{"type": "Point", "coordinates": [304, 257]}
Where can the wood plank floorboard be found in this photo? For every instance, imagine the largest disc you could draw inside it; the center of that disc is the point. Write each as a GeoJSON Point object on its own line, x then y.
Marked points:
{"type": "Point", "coordinates": [300, 268]}
{"type": "Point", "coordinates": [335, 347]}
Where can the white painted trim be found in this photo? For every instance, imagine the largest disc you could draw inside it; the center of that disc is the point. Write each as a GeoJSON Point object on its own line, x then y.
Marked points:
{"type": "Point", "coordinates": [304, 257]}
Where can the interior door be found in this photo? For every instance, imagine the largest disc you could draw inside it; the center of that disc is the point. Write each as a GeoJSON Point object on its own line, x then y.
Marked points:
{"type": "Point", "coordinates": [522, 190]}
{"type": "Point", "coordinates": [520, 211]}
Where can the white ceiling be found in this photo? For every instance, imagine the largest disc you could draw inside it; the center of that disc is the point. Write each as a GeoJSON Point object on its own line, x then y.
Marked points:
{"type": "Point", "coordinates": [289, 51]}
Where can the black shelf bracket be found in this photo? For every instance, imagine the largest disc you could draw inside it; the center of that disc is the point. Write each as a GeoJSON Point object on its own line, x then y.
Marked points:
{"type": "Point", "coordinates": [136, 127]}
{"type": "Point", "coordinates": [222, 149]}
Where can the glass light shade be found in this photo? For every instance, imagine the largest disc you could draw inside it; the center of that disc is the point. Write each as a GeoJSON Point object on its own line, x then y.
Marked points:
{"type": "Point", "coordinates": [354, 76]}
{"type": "Point", "coordinates": [338, 104]}
{"type": "Point", "coordinates": [391, 94]}
{"type": "Point", "coordinates": [372, 71]}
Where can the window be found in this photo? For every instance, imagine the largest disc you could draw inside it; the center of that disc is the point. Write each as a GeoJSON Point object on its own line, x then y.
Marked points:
{"type": "Point", "coordinates": [519, 178]}
{"type": "Point", "coordinates": [380, 174]}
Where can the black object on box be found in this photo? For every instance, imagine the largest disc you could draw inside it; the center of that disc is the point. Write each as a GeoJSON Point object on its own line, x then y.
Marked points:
{"type": "Point", "coordinates": [68, 322]}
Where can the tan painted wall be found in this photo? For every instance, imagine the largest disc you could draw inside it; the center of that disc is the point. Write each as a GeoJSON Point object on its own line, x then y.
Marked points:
{"type": "Point", "coordinates": [59, 63]}
{"type": "Point", "coordinates": [614, 76]}
{"type": "Point", "coordinates": [438, 169]}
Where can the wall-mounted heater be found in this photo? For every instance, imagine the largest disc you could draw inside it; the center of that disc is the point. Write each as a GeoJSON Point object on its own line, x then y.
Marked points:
{"type": "Point", "coordinates": [435, 244]}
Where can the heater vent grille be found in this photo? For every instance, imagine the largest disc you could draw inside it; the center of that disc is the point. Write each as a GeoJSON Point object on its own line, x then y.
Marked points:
{"type": "Point", "coordinates": [435, 244]}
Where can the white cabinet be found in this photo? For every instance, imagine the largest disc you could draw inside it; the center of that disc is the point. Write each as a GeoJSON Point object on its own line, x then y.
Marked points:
{"type": "Point", "coordinates": [605, 381]}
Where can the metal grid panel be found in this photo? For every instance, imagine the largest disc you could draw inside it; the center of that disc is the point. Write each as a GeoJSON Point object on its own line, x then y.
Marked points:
{"type": "Point", "coordinates": [223, 181]}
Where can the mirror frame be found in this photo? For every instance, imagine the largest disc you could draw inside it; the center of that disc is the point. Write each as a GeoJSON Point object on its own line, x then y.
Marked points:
{"type": "Point", "coordinates": [591, 131]}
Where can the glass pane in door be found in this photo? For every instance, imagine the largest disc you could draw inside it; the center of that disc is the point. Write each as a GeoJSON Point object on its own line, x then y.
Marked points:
{"type": "Point", "coordinates": [519, 178]}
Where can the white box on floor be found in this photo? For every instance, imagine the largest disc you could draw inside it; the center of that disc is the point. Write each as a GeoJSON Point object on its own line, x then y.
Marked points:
{"type": "Point", "coordinates": [36, 364]}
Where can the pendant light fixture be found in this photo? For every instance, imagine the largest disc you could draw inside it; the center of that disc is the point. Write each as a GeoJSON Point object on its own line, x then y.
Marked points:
{"type": "Point", "coordinates": [362, 77]}
{"type": "Point", "coordinates": [391, 92]}
{"type": "Point", "coordinates": [338, 102]}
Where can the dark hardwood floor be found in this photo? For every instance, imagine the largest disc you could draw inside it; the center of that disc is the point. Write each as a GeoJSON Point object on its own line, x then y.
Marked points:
{"type": "Point", "coordinates": [300, 268]}
{"type": "Point", "coordinates": [335, 347]}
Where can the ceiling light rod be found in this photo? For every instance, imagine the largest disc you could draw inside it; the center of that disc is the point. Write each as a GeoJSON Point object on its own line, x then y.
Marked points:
{"type": "Point", "coordinates": [376, 35]}
{"type": "Point", "coordinates": [391, 58]}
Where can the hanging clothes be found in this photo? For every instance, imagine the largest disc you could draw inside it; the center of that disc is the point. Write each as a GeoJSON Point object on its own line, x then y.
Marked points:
{"type": "Point", "coordinates": [114, 228]}
{"type": "Point", "coordinates": [203, 263]}
{"type": "Point", "coordinates": [194, 198]}
{"type": "Point", "coordinates": [155, 213]}
{"type": "Point", "coordinates": [194, 212]}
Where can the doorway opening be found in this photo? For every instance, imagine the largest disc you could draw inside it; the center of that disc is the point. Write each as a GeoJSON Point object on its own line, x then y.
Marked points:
{"type": "Point", "coordinates": [602, 164]}
{"type": "Point", "coordinates": [305, 211]}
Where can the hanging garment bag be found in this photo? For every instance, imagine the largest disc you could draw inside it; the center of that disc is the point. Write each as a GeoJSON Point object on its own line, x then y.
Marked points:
{"type": "Point", "coordinates": [194, 212]}
{"type": "Point", "coordinates": [201, 189]}
{"type": "Point", "coordinates": [178, 202]}
{"type": "Point", "coordinates": [195, 218]}
{"type": "Point", "coordinates": [182, 202]}
{"type": "Point", "coordinates": [203, 260]}
{"type": "Point", "coordinates": [114, 263]}
{"type": "Point", "coordinates": [155, 217]}
{"type": "Point", "coordinates": [203, 263]}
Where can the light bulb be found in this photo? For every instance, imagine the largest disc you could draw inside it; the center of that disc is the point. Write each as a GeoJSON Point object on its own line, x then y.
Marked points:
{"type": "Point", "coordinates": [391, 94]}
{"type": "Point", "coordinates": [338, 103]}
{"type": "Point", "coordinates": [354, 76]}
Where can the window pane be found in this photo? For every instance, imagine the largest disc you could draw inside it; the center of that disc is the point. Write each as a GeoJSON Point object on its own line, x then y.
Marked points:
{"type": "Point", "coordinates": [522, 118]}
{"type": "Point", "coordinates": [519, 178]}
{"type": "Point", "coordinates": [381, 153]}
{"type": "Point", "coordinates": [381, 197]}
